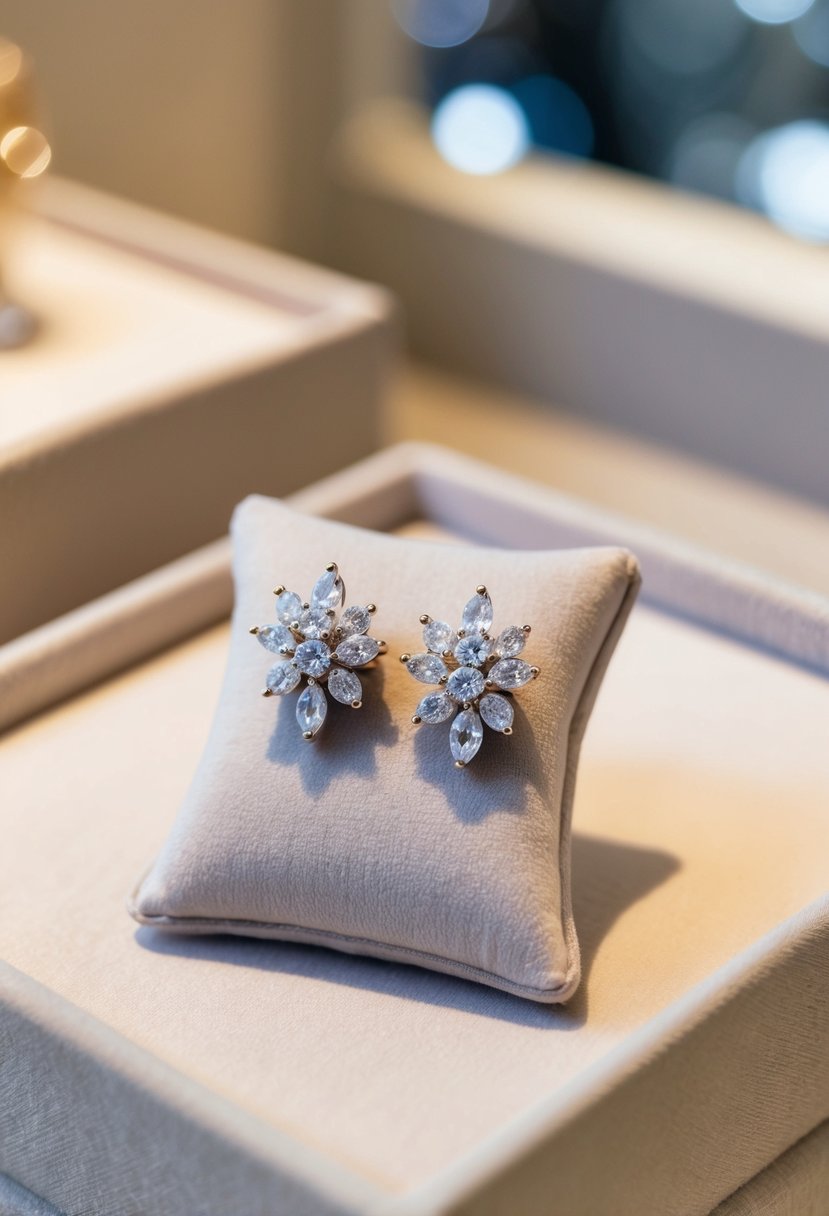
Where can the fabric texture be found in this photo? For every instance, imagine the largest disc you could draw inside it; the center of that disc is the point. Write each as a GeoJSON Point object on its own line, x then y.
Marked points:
{"type": "Point", "coordinates": [368, 840]}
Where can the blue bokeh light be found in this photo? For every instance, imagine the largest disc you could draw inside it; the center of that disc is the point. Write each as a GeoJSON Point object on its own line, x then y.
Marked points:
{"type": "Point", "coordinates": [480, 128]}
{"type": "Point", "coordinates": [558, 118]}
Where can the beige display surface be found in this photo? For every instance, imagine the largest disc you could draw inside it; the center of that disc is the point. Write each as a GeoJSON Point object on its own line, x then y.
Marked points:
{"type": "Point", "coordinates": [693, 1056]}
{"type": "Point", "coordinates": [173, 372]}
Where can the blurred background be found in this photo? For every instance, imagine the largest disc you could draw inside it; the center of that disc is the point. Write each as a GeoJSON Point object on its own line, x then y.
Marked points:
{"type": "Point", "coordinates": [604, 220]}
{"type": "Point", "coordinates": [729, 98]}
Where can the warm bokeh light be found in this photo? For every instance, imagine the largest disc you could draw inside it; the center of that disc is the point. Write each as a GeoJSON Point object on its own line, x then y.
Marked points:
{"type": "Point", "coordinates": [480, 128]}
{"type": "Point", "coordinates": [11, 61]}
{"type": "Point", "coordinates": [440, 23]}
{"type": "Point", "coordinates": [774, 12]}
{"type": "Point", "coordinates": [785, 172]}
{"type": "Point", "coordinates": [25, 151]}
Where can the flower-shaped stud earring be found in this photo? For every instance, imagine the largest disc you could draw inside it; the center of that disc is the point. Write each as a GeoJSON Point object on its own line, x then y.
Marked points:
{"type": "Point", "coordinates": [477, 675]}
{"type": "Point", "coordinates": [318, 641]}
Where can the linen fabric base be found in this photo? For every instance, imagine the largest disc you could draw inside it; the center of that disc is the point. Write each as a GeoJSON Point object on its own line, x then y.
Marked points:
{"type": "Point", "coordinates": [369, 840]}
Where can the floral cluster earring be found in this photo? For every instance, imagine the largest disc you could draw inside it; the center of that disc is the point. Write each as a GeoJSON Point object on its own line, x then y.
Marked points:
{"type": "Point", "coordinates": [322, 641]}
{"type": "Point", "coordinates": [475, 672]}
{"type": "Point", "coordinates": [476, 675]}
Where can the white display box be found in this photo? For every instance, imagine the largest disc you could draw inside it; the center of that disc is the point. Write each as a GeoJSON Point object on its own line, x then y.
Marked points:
{"type": "Point", "coordinates": [174, 370]}
{"type": "Point", "coordinates": [223, 1075]}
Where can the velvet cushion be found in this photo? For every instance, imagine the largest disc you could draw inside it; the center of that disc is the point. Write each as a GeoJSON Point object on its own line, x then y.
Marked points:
{"type": "Point", "coordinates": [368, 840]}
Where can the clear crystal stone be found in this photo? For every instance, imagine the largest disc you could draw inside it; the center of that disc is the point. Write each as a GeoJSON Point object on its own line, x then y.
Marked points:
{"type": "Point", "coordinates": [465, 735]}
{"type": "Point", "coordinates": [354, 620]}
{"type": "Point", "coordinates": [329, 591]}
{"type": "Point", "coordinates": [288, 607]}
{"type": "Point", "coordinates": [428, 668]}
{"type": "Point", "coordinates": [510, 642]}
{"type": "Point", "coordinates": [496, 711]}
{"type": "Point", "coordinates": [435, 707]}
{"type": "Point", "coordinates": [477, 615]}
{"type": "Point", "coordinates": [344, 686]}
{"type": "Point", "coordinates": [311, 709]}
{"type": "Point", "coordinates": [465, 684]}
{"type": "Point", "coordinates": [313, 622]}
{"type": "Point", "coordinates": [282, 678]}
{"type": "Point", "coordinates": [472, 651]}
{"type": "Point", "coordinates": [438, 636]}
{"type": "Point", "coordinates": [313, 657]}
{"type": "Point", "coordinates": [357, 651]}
{"type": "Point", "coordinates": [511, 673]}
{"type": "Point", "coordinates": [276, 638]}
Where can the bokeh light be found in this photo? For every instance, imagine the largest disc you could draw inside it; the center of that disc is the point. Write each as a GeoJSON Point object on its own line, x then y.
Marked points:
{"type": "Point", "coordinates": [774, 12]}
{"type": "Point", "coordinates": [785, 172]}
{"type": "Point", "coordinates": [707, 152]}
{"type": "Point", "coordinates": [11, 62]}
{"type": "Point", "coordinates": [440, 23]}
{"type": "Point", "coordinates": [682, 37]}
{"type": "Point", "coordinates": [25, 151]}
{"type": "Point", "coordinates": [558, 118]}
{"type": "Point", "coordinates": [480, 128]}
{"type": "Point", "coordinates": [811, 33]}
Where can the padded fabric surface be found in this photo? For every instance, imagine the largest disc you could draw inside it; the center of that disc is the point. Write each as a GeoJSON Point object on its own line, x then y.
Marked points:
{"type": "Point", "coordinates": [369, 840]}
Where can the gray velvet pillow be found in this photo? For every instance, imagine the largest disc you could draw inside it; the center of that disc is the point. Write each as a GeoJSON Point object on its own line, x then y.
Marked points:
{"type": "Point", "coordinates": [368, 840]}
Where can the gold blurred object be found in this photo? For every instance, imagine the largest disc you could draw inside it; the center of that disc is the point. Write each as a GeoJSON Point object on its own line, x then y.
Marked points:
{"type": "Point", "coordinates": [24, 154]}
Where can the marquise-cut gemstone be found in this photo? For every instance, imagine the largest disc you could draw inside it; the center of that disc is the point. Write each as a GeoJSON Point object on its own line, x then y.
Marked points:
{"type": "Point", "coordinates": [465, 684]}
{"type": "Point", "coordinates": [282, 678]}
{"type": "Point", "coordinates": [438, 636]}
{"type": "Point", "coordinates": [428, 668]}
{"type": "Point", "coordinates": [311, 709]}
{"type": "Point", "coordinates": [477, 615]}
{"type": "Point", "coordinates": [276, 638]}
{"type": "Point", "coordinates": [329, 591]}
{"type": "Point", "coordinates": [314, 622]}
{"type": "Point", "coordinates": [436, 707]}
{"type": "Point", "coordinates": [344, 686]}
{"type": "Point", "coordinates": [288, 607]}
{"type": "Point", "coordinates": [496, 711]}
{"type": "Point", "coordinates": [354, 620]}
{"type": "Point", "coordinates": [465, 736]}
{"type": "Point", "coordinates": [357, 651]}
{"type": "Point", "coordinates": [473, 650]}
{"type": "Point", "coordinates": [510, 642]}
{"type": "Point", "coordinates": [313, 657]}
{"type": "Point", "coordinates": [511, 673]}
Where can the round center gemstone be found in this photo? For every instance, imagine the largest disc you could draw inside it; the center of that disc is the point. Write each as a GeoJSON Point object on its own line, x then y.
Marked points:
{"type": "Point", "coordinates": [313, 657]}
{"type": "Point", "coordinates": [465, 684]}
{"type": "Point", "coordinates": [473, 650]}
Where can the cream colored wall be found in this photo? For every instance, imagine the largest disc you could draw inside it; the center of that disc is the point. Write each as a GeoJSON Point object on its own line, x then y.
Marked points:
{"type": "Point", "coordinates": [219, 111]}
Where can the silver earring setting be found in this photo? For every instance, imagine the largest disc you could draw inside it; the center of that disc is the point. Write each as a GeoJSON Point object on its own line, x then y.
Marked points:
{"type": "Point", "coordinates": [476, 675]}
{"type": "Point", "coordinates": [322, 641]}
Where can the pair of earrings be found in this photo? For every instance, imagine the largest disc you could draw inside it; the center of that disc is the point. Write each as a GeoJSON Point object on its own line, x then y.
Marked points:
{"type": "Point", "coordinates": [475, 674]}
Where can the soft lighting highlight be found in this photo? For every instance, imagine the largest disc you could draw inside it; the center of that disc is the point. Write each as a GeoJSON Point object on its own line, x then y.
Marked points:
{"type": "Point", "coordinates": [11, 61]}
{"type": "Point", "coordinates": [785, 173]}
{"type": "Point", "coordinates": [481, 129]}
{"type": "Point", "coordinates": [25, 151]}
{"type": "Point", "coordinates": [774, 12]}
{"type": "Point", "coordinates": [440, 23]}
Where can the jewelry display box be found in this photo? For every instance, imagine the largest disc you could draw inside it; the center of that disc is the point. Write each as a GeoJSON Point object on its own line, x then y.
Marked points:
{"type": "Point", "coordinates": [173, 370]}
{"type": "Point", "coordinates": [142, 1072]}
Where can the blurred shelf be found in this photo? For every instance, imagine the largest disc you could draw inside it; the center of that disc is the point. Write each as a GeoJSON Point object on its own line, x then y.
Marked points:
{"type": "Point", "coordinates": [733, 515]}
